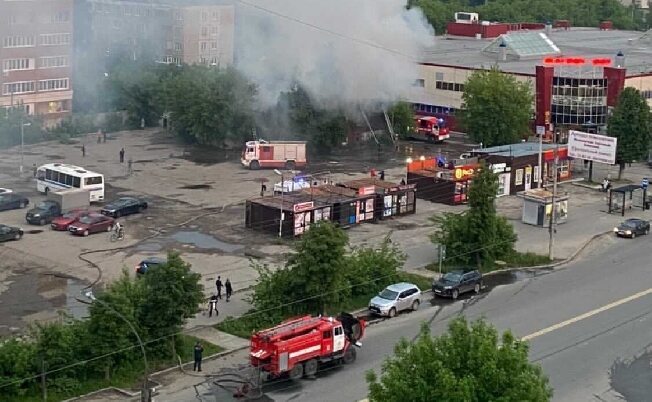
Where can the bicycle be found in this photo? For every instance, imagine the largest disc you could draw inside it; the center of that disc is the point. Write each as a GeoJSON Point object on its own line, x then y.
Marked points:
{"type": "Point", "coordinates": [117, 235]}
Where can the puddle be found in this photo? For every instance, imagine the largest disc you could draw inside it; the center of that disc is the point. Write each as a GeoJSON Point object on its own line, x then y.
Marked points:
{"type": "Point", "coordinates": [169, 168]}
{"type": "Point", "coordinates": [196, 187]}
{"type": "Point", "coordinates": [633, 379]}
{"type": "Point", "coordinates": [204, 241]}
{"type": "Point", "coordinates": [144, 161]}
{"type": "Point", "coordinates": [509, 277]}
{"type": "Point", "coordinates": [35, 231]}
{"type": "Point", "coordinates": [48, 294]}
{"type": "Point", "coordinates": [149, 246]}
{"type": "Point", "coordinates": [155, 148]}
{"type": "Point", "coordinates": [53, 156]}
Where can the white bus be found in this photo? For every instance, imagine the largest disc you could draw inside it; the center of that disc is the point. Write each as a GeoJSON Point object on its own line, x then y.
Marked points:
{"type": "Point", "coordinates": [59, 176]}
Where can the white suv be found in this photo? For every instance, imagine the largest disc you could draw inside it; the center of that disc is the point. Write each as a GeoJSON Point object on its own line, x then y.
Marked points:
{"type": "Point", "coordinates": [395, 298]}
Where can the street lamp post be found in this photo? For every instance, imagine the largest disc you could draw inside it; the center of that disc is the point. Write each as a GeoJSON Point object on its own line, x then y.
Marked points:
{"type": "Point", "coordinates": [280, 222]}
{"type": "Point", "coordinates": [145, 392]}
{"type": "Point", "coordinates": [22, 141]}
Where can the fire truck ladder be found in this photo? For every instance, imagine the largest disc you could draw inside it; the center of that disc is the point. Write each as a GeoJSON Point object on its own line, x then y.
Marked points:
{"type": "Point", "coordinates": [390, 127]}
{"type": "Point", "coordinates": [364, 115]}
{"type": "Point", "coordinates": [254, 134]}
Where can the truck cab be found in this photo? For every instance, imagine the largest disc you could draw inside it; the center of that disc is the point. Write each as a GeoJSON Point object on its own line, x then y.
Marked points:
{"type": "Point", "coordinates": [431, 129]}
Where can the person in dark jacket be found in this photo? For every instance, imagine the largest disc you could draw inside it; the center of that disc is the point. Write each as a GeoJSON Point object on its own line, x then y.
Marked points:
{"type": "Point", "coordinates": [228, 288]}
{"type": "Point", "coordinates": [218, 285]}
{"type": "Point", "coordinates": [212, 305]}
{"type": "Point", "coordinates": [198, 349]}
{"type": "Point", "coordinates": [122, 155]}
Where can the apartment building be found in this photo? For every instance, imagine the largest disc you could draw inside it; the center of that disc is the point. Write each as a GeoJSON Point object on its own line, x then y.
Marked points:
{"type": "Point", "coordinates": [35, 55]}
{"type": "Point", "coordinates": [163, 31]}
{"type": "Point", "coordinates": [640, 4]}
{"type": "Point", "coordinates": [208, 35]}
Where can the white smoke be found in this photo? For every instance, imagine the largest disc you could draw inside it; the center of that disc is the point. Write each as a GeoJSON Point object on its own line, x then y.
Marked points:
{"type": "Point", "coordinates": [363, 51]}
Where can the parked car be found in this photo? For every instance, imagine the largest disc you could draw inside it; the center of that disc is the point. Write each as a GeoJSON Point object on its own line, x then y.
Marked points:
{"type": "Point", "coordinates": [64, 221]}
{"type": "Point", "coordinates": [44, 212]}
{"type": "Point", "coordinates": [5, 190]}
{"type": "Point", "coordinates": [91, 223]}
{"type": "Point", "coordinates": [148, 263]}
{"type": "Point", "coordinates": [124, 206]}
{"type": "Point", "coordinates": [455, 283]}
{"type": "Point", "coordinates": [12, 201]}
{"type": "Point", "coordinates": [396, 298]}
{"type": "Point", "coordinates": [632, 227]}
{"type": "Point", "coordinates": [10, 233]}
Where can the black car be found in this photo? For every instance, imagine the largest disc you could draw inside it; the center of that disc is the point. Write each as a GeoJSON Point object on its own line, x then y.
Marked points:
{"type": "Point", "coordinates": [10, 233]}
{"type": "Point", "coordinates": [632, 228]}
{"type": "Point", "coordinates": [124, 206]}
{"type": "Point", "coordinates": [148, 263]}
{"type": "Point", "coordinates": [44, 212]}
{"type": "Point", "coordinates": [454, 283]}
{"type": "Point", "coordinates": [12, 201]}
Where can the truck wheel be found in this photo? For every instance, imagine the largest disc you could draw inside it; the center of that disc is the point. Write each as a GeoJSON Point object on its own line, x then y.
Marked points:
{"type": "Point", "coordinates": [349, 356]}
{"type": "Point", "coordinates": [290, 165]}
{"type": "Point", "coordinates": [254, 165]}
{"type": "Point", "coordinates": [310, 368]}
{"type": "Point", "coordinates": [296, 372]}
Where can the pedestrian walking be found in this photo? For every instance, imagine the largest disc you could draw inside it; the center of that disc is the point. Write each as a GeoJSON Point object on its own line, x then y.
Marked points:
{"type": "Point", "coordinates": [122, 155]}
{"type": "Point", "coordinates": [99, 136]}
{"type": "Point", "coordinates": [104, 136]}
{"type": "Point", "coordinates": [263, 188]}
{"type": "Point", "coordinates": [218, 285]}
{"type": "Point", "coordinates": [34, 169]}
{"type": "Point", "coordinates": [129, 170]}
{"type": "Point", "coordinates": [382, 175]}
{"type": "Point", "coordinates": [212, 305]}
{"type": "Point", "coordinates": [402, 182]}
{"type": "Point", "coordinates": [198, 349]}
{"type": "Point", "coordinates": [83, 150]}
{"type": "Point", "coordinates": [228, 288]}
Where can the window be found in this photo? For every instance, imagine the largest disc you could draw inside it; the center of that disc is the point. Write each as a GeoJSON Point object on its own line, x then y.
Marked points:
{"type": "Point", "coordinates": [17, 64]}
{"type": "Point", "coordinates": [203, 45]}
{"type": "Point", "coordinates": [53, 61]}
{"type": "Point", "coordinates": [214, 15]}
{"type": "Point", "coordinates": [53, 85]}
{"type": "Point", "coordinates": [76, 182]}
{"type": "Point", "coordinates": [19, 41]}
{"type": "Point", "coordinates": [338, 331]}
{"type": "Point", "coordinates": [204, 16]}
{"type": "Point", "coordinates": [439, 76]}
{"type": "Point", "coordinates": [214, 30]}
{"type": "Point", "coordinates": [89, 181]}
{"type": "Point", "coordinates": [18, 87]}
{"type": "Point", "coordinates": [518, 179]}
{"type": "Point", "coordinates": [204, 31]}
{"type": "Point", "coordinates": [214, 45]}
{"type": "Point", "coordinates": [55, 39]}
{"type": "Point", "coordinates": [420, 83]}
{"type": "Point", "coordinates": [60, 17]}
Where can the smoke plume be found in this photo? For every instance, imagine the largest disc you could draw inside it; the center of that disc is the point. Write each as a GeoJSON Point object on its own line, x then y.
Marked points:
{"type": "Point", "coordinates": [342, 52]}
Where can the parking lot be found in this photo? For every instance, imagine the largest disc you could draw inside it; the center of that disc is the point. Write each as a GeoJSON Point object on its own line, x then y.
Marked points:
{"type": "Point", "coordinates": [196, 206]}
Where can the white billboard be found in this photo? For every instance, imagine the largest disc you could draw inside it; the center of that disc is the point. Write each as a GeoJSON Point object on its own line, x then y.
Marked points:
{"type": "Point", "coordinates": [592, 147]}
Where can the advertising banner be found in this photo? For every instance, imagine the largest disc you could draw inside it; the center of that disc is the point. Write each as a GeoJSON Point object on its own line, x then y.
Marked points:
{"type": "Point", "coordinates": [592, 147]}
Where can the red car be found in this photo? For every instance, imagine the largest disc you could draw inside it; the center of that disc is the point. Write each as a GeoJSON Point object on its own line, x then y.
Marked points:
{"type": "Point", "coordinates": [70, 217]}
{"type": "Point", "coordinates": [91, 223]}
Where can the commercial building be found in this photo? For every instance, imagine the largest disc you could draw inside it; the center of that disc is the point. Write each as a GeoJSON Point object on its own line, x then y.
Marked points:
{"type": "Point", "coordinates": [35, 55]}
{"type": "Point", "coordinates": [575, 73]}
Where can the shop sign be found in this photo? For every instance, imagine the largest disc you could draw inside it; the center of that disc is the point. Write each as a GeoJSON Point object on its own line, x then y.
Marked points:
{"type": "Point", "coordinates": [303, 206]}
{"type": "Point", "coordinates": [366, 190]}
{"type": "Point", "coordinates": [464, 172]}
{"type": "Point", "coordinates": [498, 167]}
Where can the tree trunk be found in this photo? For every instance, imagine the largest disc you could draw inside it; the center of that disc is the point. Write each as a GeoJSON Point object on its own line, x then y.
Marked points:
{"type": "Point", "coordinates": [621, 169]}
{"type": "Point", "coordinates": [107, 372]}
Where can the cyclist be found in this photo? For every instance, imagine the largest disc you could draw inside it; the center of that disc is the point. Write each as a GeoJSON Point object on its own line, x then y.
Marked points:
{"type": "Point", "coordinates": [119, 230]}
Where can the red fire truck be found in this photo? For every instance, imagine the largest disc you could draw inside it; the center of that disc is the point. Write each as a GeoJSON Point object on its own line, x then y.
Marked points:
{"type": "Point", "coordinates": [430, 128]}
{"type": "Point", "coordinates": [298, 346]}
{"type": "Point", "coordinates": [274, 154]}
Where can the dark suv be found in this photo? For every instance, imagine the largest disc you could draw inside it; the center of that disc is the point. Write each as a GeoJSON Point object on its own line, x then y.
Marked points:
{"type": "Point", "coordinates": [44, 212]}
{"type": "Point", "coordinates": [148, 263]}
{"type": "Point", "coordinates": [454, 283]}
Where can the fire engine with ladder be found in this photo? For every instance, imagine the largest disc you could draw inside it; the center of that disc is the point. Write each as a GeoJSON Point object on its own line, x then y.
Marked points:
{"type": "Point", "coordinates": [430, 128]}
{"type": "Point", "coordinates": [297, 347]}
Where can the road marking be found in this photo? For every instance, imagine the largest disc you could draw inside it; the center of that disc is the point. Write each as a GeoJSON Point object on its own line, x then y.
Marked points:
{"type": "Point", "coordinates": [586, 315]}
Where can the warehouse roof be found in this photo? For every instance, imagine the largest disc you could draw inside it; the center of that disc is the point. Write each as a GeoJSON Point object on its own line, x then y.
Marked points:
{"type": "Point", "coordinates": [515, 150]}
{"type": "Point", "coordinates": [575, 42]}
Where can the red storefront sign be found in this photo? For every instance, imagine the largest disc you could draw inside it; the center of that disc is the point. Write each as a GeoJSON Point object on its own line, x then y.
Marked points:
{"type": "Point", "coordinates": [549, 155]}
{"type": "Point", "coordinates": [465, 172]}
{"type": "Point", "coordinates": [366, 190]}
{"type": "Point", "coordinates": [303, 206]}
{"type": "Point", "coordinates": [577, 61]}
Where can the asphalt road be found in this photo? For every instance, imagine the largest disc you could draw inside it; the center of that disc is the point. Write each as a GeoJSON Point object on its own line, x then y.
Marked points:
{"type": "Point", "coordinates": [581, 321]}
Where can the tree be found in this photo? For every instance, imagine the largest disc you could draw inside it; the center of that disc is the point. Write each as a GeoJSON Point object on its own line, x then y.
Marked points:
{"type": "Point", "coordinates": [318, 267]}
{"type": "Point", "coordinates": [402, 117]}
{"type": "Point", "coordinates": [469, 363]}
{"type": "Point", "coordinates": [172, 293]}
{"type": "Point", "coordinates": [10, 121]}
{"type": "Point", "coordinates": [630, 124]}
{"type": "Point", "coordinates": [479, 235]}
{"type": "Point", "coordinates": [370, 269]}
{"type": "Point", "coordinates": [496, 108]}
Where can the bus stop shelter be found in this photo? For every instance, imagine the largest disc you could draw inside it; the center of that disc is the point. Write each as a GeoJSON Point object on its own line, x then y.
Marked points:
{"type": "Point", "coordinates": [627, 197]}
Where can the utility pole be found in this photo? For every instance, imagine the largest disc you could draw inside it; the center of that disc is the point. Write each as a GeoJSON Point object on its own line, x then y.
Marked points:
{"type": "Point", "coordinates": [43, 385]}
{"type": "Point", "coordinates": [552, 227]}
